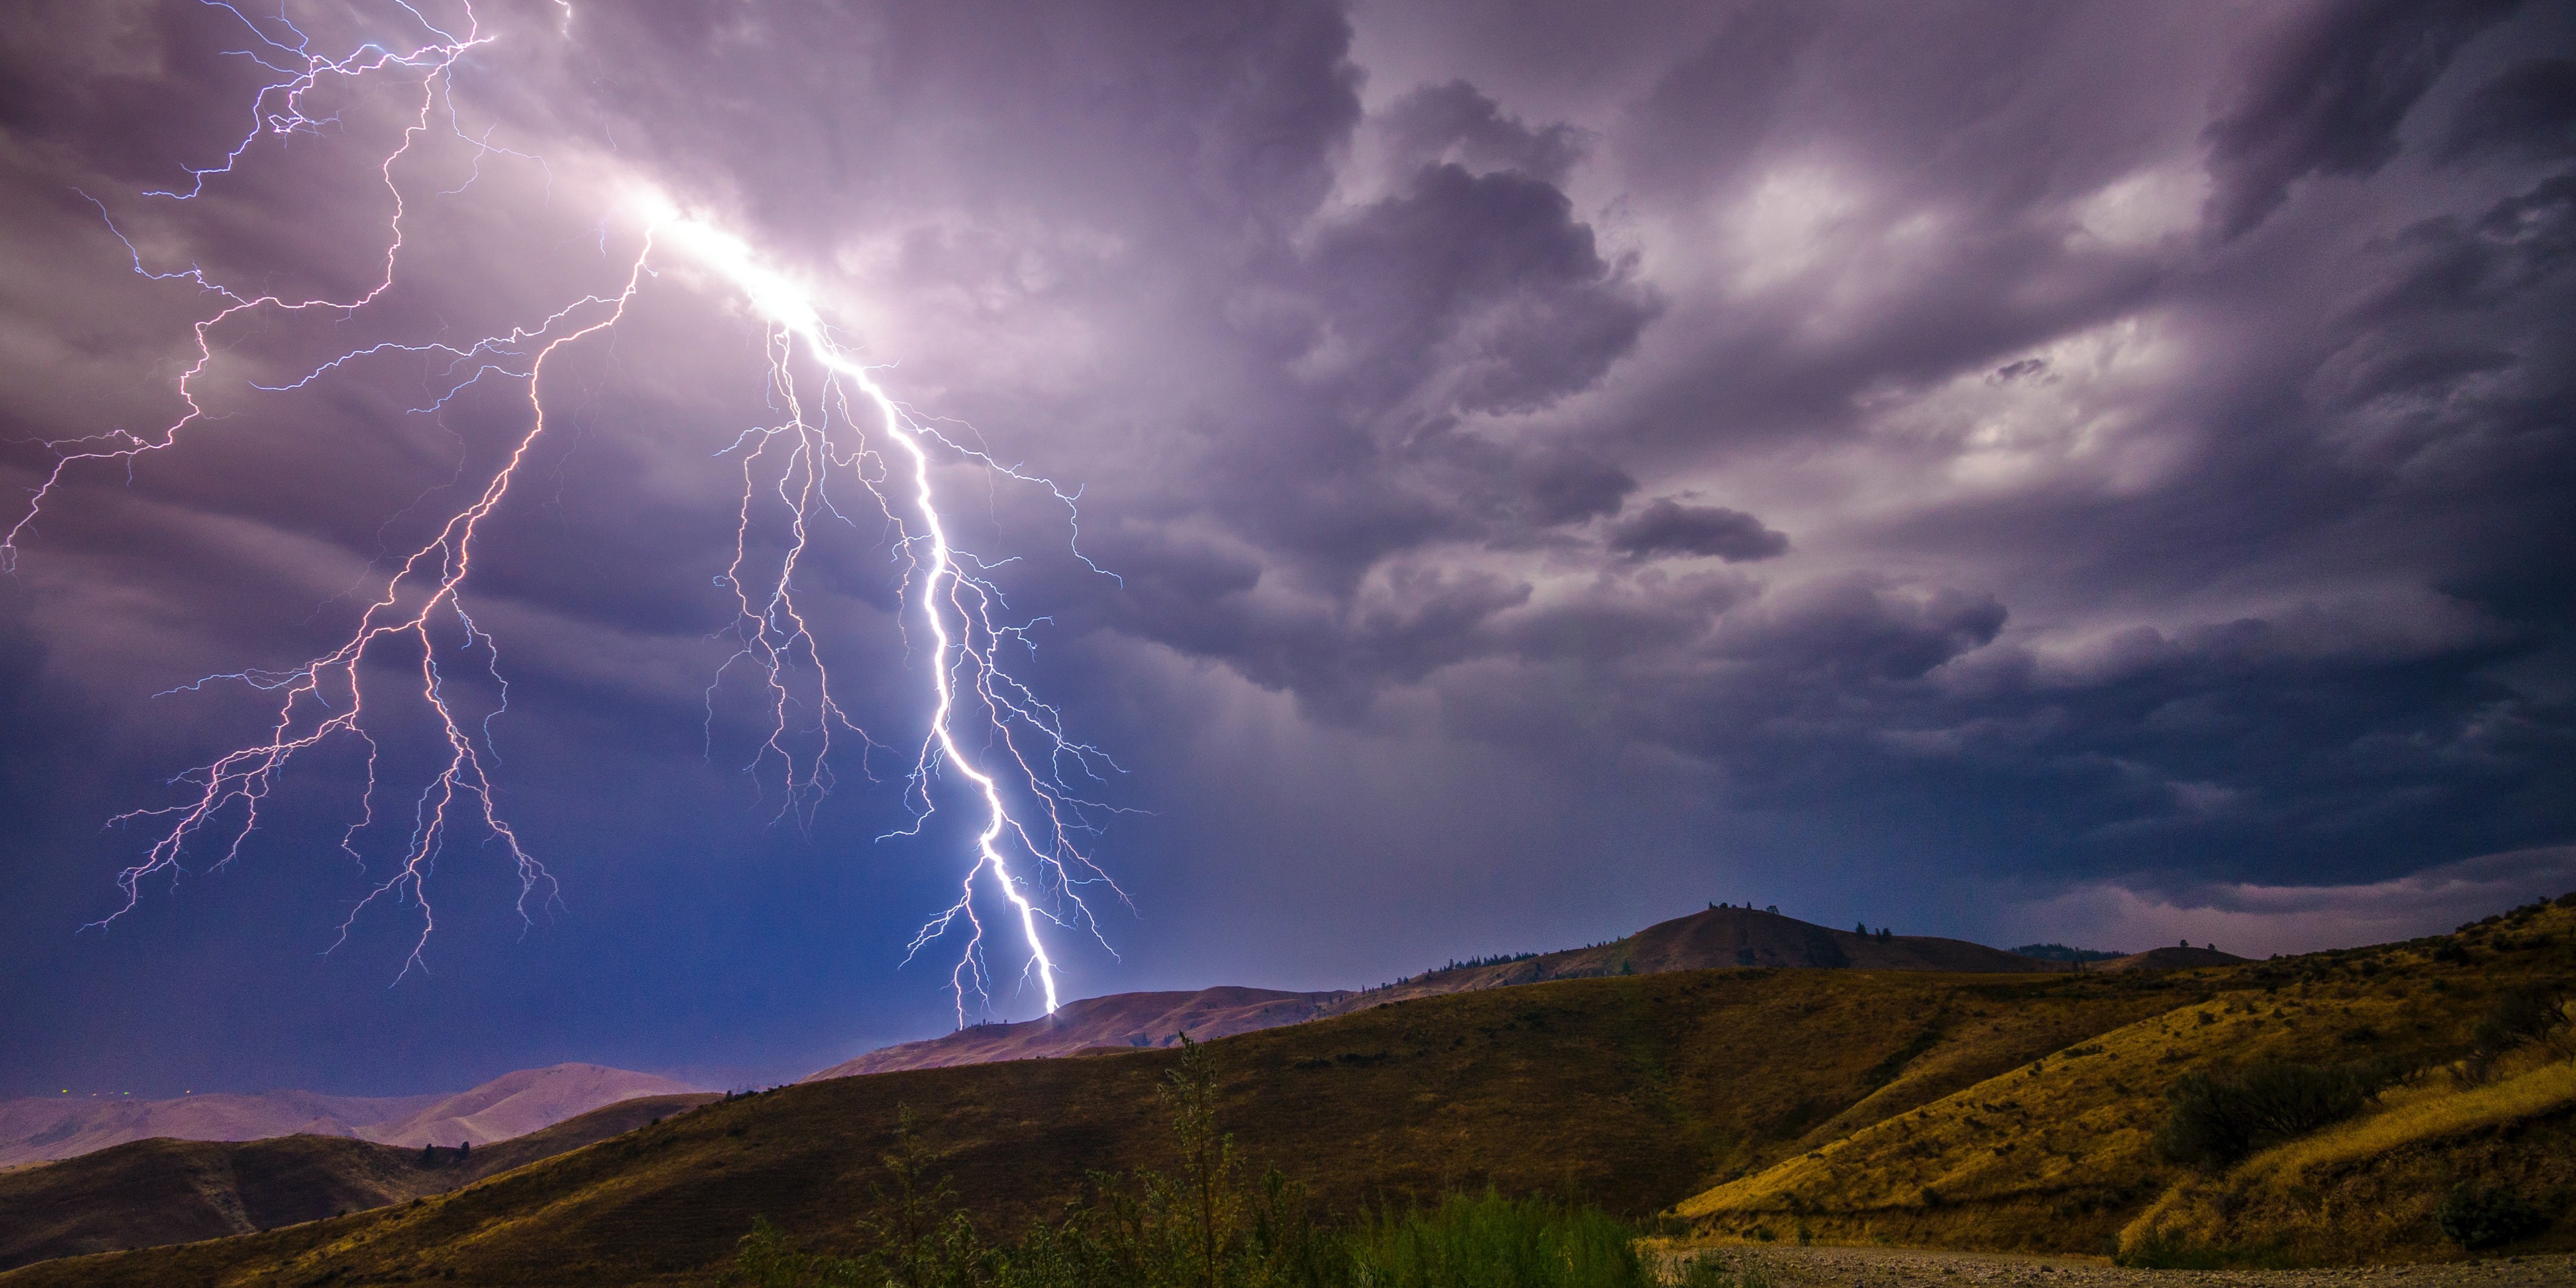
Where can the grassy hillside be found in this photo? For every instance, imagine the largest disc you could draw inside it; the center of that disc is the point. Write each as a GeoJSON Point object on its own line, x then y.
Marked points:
{"type": "Point", "coordinates": [1633, 1090]}
{"type": "Point", "coordinates": [2057, 1155]}
{"type": "Point", "coordinates": [1713, 939]}
{"type": "Point", "coordinates": [1717, 937]}
{"type": "Point", "coordinates": [161, 1191]}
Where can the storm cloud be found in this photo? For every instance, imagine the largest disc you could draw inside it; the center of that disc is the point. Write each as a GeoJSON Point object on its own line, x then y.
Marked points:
{"type": "Point", "coordinates": [2022, 473]}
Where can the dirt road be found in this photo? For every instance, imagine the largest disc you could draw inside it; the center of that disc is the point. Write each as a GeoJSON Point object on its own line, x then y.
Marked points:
{"type": "Point", "coordinates": [1905, 1268]}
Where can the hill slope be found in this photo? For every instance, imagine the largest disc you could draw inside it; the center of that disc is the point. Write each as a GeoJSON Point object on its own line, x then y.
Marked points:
{"type": "Point", "coordinates": [1718, 937]}
{"type": "Point", "coordinates": [36, 1129]}
{"type": "Point", "coordinates": [150, 1192]}
{"type": "Point", "coordinates": [1635, 1089]}
{"type": "Point", "coordinates": [516, 1104]}
{"type": "Point", "coordinates": [2056, 1156]}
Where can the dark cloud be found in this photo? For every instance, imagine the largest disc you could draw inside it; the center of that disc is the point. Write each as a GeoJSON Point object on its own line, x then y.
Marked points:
{"type": "Point", "coordinates": [1395, 354]}
{"type": "Point", "coordinates": [2528, 108]}
{"type": "Point", "coordinates": [1470, 293]}
{"type": "Point", "coordinates": [2327, 95]}
{"type": "Point", "coordinates": [1668, 527]}
{"type": "Point", "coordinates": [1455, 122]}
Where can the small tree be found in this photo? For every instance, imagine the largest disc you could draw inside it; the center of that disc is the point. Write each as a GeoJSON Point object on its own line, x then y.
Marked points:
{"type": "Point", "coordinates": [1204, 1190]}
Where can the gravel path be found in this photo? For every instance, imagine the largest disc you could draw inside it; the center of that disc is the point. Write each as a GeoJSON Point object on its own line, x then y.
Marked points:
{"type": "Point", "coordinates": [1906, 1268]}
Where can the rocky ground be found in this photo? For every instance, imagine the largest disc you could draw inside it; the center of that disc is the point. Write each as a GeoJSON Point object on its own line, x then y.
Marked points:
{"type": "Point", "coordinates": [1906, 1268]}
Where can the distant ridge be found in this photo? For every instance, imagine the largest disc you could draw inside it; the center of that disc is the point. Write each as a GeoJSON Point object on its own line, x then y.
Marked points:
{"type": "Point", "coordinates": [2184, 958]}
{"type": "Point", "coordinates": [1119, 1021]}
{"type": "Point", "coordinates": [36, 1129]}
{"type": "Point", "coordinates": [149, 1192]}
{"type": "Point", "coordinates": [1718, 937]}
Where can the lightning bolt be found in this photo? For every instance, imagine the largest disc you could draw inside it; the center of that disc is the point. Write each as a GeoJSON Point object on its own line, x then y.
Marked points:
{"type": "Point", "coordinates": [839, 425]}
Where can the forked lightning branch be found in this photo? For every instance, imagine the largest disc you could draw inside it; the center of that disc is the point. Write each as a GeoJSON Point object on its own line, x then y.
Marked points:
{"type": "Point", "coordinates": [839, 433]}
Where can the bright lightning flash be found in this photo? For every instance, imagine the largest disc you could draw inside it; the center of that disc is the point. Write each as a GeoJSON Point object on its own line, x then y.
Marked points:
{"type": "Point", "coordinates": [984, 727]}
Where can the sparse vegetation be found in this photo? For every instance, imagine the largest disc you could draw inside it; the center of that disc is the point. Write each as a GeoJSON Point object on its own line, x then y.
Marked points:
{"type": "Point", "coordinates": [1203, 1226]}
{"type": "Point", "coordinates": [2054, 952]}
{"type": "Point", "coordinates": [2211, 1121]}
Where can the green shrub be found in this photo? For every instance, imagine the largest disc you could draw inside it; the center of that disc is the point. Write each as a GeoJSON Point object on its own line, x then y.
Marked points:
{"type": "Point", "coordinates": [1491, 1240]}
{"type": "Point", "coordinates": [2211, 1122]}
{"type": "Point", "coordinates": [2477, 1219]}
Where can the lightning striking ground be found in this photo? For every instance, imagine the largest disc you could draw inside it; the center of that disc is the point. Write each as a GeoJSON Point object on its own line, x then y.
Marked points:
{"type": "Point", "coordinates": [840, 427]}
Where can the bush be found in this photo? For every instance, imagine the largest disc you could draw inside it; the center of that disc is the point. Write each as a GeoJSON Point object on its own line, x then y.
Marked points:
{"type": "Point", "coordinates": [2211, 1122]}
{"type": "Point", "coordinates": [2519, 1017]}
{"type": "Point", "coordinates": [1495, 1240]}
{"type": "Point", "coordinates": [2477, 1219]}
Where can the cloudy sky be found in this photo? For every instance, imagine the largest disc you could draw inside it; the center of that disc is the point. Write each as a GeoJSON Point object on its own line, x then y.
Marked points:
{"type": "Point", "coordinates": [2094, 472]}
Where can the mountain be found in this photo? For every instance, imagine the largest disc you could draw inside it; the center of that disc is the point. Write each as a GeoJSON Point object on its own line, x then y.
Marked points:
{"type": "Point", "coordinates": [36, 1129]}
{"type": "Point", "coordinates": [516, 1104]}
{"type": "Point", "coordinates": [147, 1193]}
{"type": "Point", "coordinates": [1120, 1020]}
{"type": "Point", "coordinates": [1718, 937]}
{"type": "Point", "coordinates": [1984, 1111]}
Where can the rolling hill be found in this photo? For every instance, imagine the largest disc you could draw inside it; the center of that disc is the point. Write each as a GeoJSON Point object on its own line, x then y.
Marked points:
{"type": "Point", "coordinates": [1718, 937]}
{"type": "Point", "coordinates": [37, 1129]}
{"type": "Point", "coordinates": [1634, 1089]}
{"type": "Point", "coordinates": [147, 1193]}
{"type": "Point", "coordinates": [1978, 1111]}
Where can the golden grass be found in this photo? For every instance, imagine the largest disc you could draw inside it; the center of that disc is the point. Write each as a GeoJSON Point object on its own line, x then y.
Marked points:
{"type": "Point", "coordinates": [2424, 1112]}
{"type": "Point", "coordinates": [2369, 1187]}
{"type": "Point", "coordinates": [2056, 1156]}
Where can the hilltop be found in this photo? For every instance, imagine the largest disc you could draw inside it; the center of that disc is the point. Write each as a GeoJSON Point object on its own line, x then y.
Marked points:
{"type": "Point", "coordinates": [36, 1129]}
{"type": "Point", "coordinates": [1718, 937]}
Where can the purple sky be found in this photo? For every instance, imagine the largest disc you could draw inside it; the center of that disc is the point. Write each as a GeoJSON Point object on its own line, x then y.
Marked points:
{"type": "Point", "coordinates": [2082, 472]}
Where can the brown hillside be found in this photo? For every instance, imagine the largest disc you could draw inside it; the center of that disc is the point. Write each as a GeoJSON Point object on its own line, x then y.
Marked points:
{"type": "Point", "coordinates": [148, 1193]}
{"type": "Point", "coordinates": [1118, 1020]}
{"type": "Point", "coordinates": [1717, 938]}
{"type": "Point", "coordinates": [516, 1104]}
{"type": "Point", "coordinates": [42, 1128]}
{"type": "Point", "coordinates": [35, 1129]}
{"type": "Point", "coordinates": [2170, 959]}
{"type": "Point", "coordinates": [1636, 1090]}
{"type": "Point", "coordinates": [1714, 939]}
